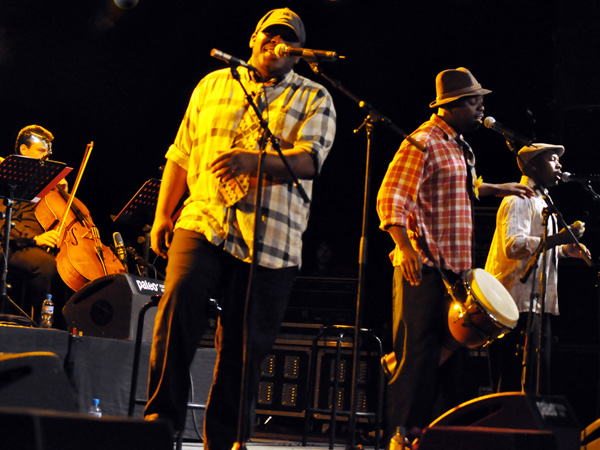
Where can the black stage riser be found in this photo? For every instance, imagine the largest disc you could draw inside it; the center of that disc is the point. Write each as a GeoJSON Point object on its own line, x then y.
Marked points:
{"type": "Point", "coordinates": [35, 380]}
{"type": "Point", "coordinates": [29, 429]}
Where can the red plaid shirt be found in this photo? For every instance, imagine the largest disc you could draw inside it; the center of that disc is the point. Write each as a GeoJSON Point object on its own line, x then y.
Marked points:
{"type": "Point", "coordinates": [426, 192]}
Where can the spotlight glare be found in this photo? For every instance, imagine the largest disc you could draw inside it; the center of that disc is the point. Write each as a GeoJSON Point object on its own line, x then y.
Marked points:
{"type": "Point", "coordinates": [126, 4]}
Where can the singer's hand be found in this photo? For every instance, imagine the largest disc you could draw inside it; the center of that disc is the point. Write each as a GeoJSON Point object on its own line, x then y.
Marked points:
{"type": "Point", "coordinates": [577, 228]}
{"type": "Point", "coordinates": [506, 189]}
{"type": "Point", "coordinates": [564, 237]}
{"type": "Point", "coordinates": [161, 235]}
{"type": "Point", "coordinates": [231, 163]}
{"type": "Point", "coordinates": [574, 251]}
{"type": "Point", "coordinates": [47, 239]}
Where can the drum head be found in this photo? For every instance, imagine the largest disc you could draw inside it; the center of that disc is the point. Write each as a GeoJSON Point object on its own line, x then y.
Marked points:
{"type": "Point", "coordinates": [494, 297]}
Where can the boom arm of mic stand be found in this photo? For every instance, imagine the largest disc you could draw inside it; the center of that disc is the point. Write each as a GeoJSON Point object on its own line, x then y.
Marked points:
{"type": "Point", "coordinates": [595, 196]}
{"type": "Point", "coordinates": [271, 137]}
{"type": "Point", "coordinates": [563, 224]}
{"type": "Point", "coordinates": [374, 114]}
{"type": "Point", "coordinates": [372, 117]}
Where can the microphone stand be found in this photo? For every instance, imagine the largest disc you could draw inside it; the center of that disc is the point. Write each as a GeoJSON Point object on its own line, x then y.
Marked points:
{"type": "Point", "coordinates": [540, 314]}
{"type": "Point", "coordinates": [267, 136]}
{"type": "Point", "coordinates": [588, 187]}
{"type": "Point", "coordinates": [4, 298]}
{"type": "Point", "coordinates": [373, 117]}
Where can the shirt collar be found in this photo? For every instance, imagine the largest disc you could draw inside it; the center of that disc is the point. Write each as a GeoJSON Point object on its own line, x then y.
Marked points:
{"type": "Point", "coordinates": [283, 81]}
{"type": "Point", "coordinates": [531, 183]}
{"type": "Point", "coordinates": [449, 133]}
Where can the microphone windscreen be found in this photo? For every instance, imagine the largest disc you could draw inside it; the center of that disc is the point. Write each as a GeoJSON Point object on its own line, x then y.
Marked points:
{"type": "Point", "coordinates": [565, 177]}
{"type": "Point", "coordinates": [280, 50]}
{"type": "Point", "coordinates": [489, 122]}
{"type": "Point", "coordinates": [118, 239]}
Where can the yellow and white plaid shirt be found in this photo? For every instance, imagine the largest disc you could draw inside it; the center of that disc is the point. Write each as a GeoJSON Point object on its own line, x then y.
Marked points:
{"type": "Point", "coordinates": [300, 113]}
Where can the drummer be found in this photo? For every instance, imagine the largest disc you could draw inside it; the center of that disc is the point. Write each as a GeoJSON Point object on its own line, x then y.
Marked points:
{"type": "Point", "coordinates": [519, 230]}
{"type": "Point", "coordinates": [424, 203]}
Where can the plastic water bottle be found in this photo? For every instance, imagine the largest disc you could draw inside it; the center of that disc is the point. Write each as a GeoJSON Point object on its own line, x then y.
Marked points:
{"type": "Point", "coordinates": [397, 442]}
{"type": "Point", "coordinates": [95, 408]}
{"type": "Point", "coordinates": [47, 312]}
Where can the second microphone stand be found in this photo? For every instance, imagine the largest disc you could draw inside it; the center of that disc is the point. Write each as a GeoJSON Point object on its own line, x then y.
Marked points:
{"type": "Point", "coordinates": [373, 117]}
{"type": "Point", "coordinates": [550, 210]}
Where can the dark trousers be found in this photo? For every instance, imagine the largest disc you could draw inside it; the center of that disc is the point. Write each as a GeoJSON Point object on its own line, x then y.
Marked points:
{"type": "Point", "coordinates": [38, 268]}
{"type": "Point", "coordinates": [506, 356]}
{"type": "Point", "coordinates": [196, 272]}
{"type": "Point", "coordinates": [419, 324]}
{"type": "Point", "coordinates": [420, 389]}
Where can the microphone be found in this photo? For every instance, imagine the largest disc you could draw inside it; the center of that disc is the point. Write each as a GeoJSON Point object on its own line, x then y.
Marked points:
{"type": "Point", "coordinates": [231, 60]}
{"type": "Point", "coordinates": [282, 50]}
{"type": "Point", "coordinates": [120, 247]}
{"type": "Point", "coordinates": [510, 135]}
{"type": "Point", "coordinates": [568, 177]}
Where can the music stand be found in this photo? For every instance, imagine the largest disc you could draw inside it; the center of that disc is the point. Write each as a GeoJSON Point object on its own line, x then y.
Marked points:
{"type": "Point", "coordinates": [23, 179]}
{"type": "Point", "coordinates": [139, 211]}
{"type": "Point", "coordinates": [142, 205]}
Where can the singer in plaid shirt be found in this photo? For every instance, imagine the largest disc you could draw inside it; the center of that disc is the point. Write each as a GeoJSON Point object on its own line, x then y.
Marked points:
{"type": "Point", "coordinates": [210, 248]}
{"type": "Point", "coordinates": [300, 114]}
{"type": "Point", "coordinates": [424, 202]}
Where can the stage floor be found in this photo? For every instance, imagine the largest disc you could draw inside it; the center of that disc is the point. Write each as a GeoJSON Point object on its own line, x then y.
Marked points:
{"type": "Point", "coordinates": [258, 444]}
{"type": "Point", "coordinates": [102, 368]}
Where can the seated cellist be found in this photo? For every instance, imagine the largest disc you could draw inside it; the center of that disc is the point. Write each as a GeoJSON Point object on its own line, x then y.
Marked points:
{"type": "Point", "coordinates": [28, 256]}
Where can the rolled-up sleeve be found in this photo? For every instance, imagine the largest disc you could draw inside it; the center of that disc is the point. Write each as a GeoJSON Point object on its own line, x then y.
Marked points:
{"type": "Point", "coordinates": [516, 228]}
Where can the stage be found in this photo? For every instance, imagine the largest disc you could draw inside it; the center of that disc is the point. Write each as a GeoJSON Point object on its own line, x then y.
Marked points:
{"type": "Point", "coordinates": [101, 367]}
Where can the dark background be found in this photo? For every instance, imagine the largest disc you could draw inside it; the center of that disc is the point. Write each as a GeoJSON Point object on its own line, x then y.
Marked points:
{"type": "Point", "coordinates": [89, 71]}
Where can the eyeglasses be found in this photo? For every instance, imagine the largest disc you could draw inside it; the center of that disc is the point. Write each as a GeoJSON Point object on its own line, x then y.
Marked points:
{"type": "Point", "coordinates": [286, 33]}
{"type": "Point", "coordinates": [45, 143]}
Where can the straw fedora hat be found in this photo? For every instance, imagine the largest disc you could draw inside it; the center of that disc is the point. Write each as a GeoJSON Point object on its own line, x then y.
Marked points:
{"type": "Point", "coordinates": [453, 84]}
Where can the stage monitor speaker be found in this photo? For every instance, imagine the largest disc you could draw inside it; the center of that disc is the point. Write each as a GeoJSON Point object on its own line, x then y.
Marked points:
{"type": "Point", "coordinates": [514, 410]}
{"type": "Point", "coordinates": [476, 438]}
{"type": "Point", "coordinates": [590, 436]}
{"type": "Point", "coordinates": [109, 306]}
{"type": "Point", "coordinates": [25, 429]}
{"type": "Point", "coordinates": [35, 380]}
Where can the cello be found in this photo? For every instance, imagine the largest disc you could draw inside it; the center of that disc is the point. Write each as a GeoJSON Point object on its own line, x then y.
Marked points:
{"type": "Point", "coordinates": [81, 257]}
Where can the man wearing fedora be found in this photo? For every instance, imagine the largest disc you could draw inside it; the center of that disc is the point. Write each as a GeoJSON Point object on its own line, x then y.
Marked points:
{"type": "Point", "coordinates": [211, 246]}
{"type": "Point", "coordinates": [519, 231]}
{"type": "Point", "coordinates": [424, 203]}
